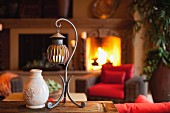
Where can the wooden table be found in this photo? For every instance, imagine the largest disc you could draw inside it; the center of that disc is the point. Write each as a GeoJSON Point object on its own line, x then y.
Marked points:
{"type": "Point", "coordinates": [19, 97]}
{"type": "Point", "coordinates": [68, 107]}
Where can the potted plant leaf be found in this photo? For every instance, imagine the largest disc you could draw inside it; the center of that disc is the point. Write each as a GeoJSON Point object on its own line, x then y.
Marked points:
{"type": "Point", "coordinates": [155, 18]}
{"type": "Point", "coordinates": [55, 88]}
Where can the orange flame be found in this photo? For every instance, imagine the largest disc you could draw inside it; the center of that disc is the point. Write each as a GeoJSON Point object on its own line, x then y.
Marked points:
{"type": "Point", "coordinates": [110, 50]}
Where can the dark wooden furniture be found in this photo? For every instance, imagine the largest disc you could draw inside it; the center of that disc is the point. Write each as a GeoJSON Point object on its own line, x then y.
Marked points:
{"type": "Point", "coordinates": [91, 106]}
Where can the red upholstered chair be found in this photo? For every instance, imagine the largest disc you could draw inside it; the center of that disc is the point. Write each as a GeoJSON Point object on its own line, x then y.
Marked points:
{"type": "Point", "coordinates": [116, 83]}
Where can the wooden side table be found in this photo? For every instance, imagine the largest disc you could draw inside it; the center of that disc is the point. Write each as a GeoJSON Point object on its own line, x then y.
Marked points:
{"type": "Point", "coordinates": [91, 107]}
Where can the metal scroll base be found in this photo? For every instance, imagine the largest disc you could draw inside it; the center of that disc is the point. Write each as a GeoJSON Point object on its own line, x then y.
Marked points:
{"type": "Point", "coordinates": [65, 92]}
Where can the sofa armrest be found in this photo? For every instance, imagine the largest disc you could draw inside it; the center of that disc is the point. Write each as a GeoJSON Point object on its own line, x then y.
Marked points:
{"type": "Point", "coordinates": [134, 87]}
{"type": "Point", "coordinates": [16, 84]}
{"type": "Point", "coordinates": [85, 81]}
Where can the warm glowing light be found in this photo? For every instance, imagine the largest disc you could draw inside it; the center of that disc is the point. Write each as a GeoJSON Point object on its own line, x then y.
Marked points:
{"type": "Point", "coordinates": [113, 60]}
{"type": "Point", "coordinates": [108, 51]}
{"type": "Point", "coordinates": [102, 56]}
{"type": "Point", "coordinates": [83, 35]}
{"type": "Point", "coordinates": [73, 43]}
{"type": "Point", "coordinates": [96, 67]}
{"type": "Point", "coordinates": [1, 27]}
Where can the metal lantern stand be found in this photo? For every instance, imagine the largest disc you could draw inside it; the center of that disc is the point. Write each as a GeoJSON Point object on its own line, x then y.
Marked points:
{"type": "Point", "coordinates": [64, 79]}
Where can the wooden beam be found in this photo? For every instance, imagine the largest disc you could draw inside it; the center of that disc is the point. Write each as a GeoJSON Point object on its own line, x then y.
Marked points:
{"type": "Point", "coordinates": [79, 23]}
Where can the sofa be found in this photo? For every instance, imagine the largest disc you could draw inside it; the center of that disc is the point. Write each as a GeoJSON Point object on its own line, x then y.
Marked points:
{"type": "Point", "coordinates": [115, 83]}
{"type": "Point", "coordinates": [143, 105]}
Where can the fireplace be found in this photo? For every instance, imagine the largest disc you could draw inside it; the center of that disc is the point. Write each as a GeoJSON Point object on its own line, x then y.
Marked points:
{"type": "Point", "coordinates": [32, 52]}
{"type": "Point", "coordinates": [105, 45]}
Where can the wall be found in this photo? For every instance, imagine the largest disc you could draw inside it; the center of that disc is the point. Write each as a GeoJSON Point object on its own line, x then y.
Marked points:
{"type": "Point", "coordinates": [83, 9]}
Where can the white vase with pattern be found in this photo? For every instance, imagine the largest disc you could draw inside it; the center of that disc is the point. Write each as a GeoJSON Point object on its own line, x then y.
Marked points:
{"type": "Point", "coordinates": [35, 91]}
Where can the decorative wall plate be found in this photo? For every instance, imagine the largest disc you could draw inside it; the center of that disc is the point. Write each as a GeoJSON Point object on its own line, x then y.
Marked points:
{"type": "Point", "coordinates": [103, 8]}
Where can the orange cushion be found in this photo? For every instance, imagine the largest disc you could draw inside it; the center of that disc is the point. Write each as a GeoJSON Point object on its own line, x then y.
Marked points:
{"type": "Point", "coordinates": [107, 90]}
{"type": "Point", "coordinates": [5, 86]}
{"type": "Point", "coordinates": [114, 77]}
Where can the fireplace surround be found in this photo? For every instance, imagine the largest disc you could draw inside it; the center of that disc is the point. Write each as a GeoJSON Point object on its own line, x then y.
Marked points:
{"type": "Point", "coordinates": [93, 27]}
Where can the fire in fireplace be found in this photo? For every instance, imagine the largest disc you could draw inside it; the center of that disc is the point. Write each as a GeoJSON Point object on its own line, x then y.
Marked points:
{"type": "Point", "coordinates": [103, 50]}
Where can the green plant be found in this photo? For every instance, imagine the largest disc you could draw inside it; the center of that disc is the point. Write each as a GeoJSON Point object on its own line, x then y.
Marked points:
{"type": "Point", "coordinates": [154, 57]}
{"type": "Point", "coordinates": [155, 18]}
{"type": "Point", "coordinates": [53, 86]}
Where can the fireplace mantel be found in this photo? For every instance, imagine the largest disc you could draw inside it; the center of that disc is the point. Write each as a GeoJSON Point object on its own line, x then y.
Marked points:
{"type": "Point", "coordinates": [117, 23]}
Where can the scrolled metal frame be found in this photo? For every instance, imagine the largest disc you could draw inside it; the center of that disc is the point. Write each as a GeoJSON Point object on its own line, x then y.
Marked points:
{"type": "Point", "coordinates": [66, 81]}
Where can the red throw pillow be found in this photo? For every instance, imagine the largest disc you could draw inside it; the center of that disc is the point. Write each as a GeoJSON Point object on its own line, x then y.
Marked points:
{"type": "Point", "coordinates": [115, 77]}
{"type": "Point", "coordinates": [163, 107]}
{"type": "Point", "coordinates": [142, 99]}
{"type": "Point", "coordinates": [128, 68]}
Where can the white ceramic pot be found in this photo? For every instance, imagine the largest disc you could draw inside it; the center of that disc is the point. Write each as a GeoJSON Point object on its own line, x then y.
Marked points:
{"type": "Point", "coordinates": [35, 91]}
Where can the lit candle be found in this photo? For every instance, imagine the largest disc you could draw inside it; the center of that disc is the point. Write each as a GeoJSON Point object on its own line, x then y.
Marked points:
{"type": "Point", "coordinates": [83, 35]}
{"type": "Point", "coordinates": [1, 27]}
{"type": "Point", "coordinates": [73, 42]}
